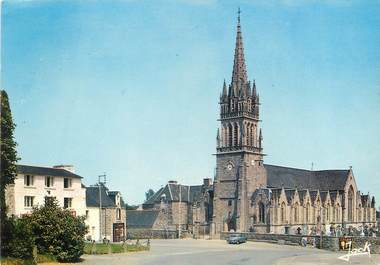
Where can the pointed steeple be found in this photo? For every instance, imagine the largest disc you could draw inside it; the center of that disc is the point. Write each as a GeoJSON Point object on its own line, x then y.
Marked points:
{"type": "Point", "coordinates": [254, 92]}
{"type": "Point", "coordinates": [239, 72]}
{"type": "Point", "coordinates": [260, 139]}
{"type": "Point", "coordinates": [224, 88]}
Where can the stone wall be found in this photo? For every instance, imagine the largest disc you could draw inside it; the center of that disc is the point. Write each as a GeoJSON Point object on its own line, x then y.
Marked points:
{"type": "Point", "coordinates": [109, 219]}
{"type": "Point", "coordinates": [324, 242]}
{"type": "Point", "coordinates": [138, 233]}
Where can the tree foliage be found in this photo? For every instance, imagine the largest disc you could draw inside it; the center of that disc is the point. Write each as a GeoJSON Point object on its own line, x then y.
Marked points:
{"type": "Point", "coordinates": [8, 146]}
{"type": "Point", "coordinates": [20, 239]}
{"type": "Point", "coordinates": [8, 166]}
{"type": "Point", "coordinates": [58, 232]}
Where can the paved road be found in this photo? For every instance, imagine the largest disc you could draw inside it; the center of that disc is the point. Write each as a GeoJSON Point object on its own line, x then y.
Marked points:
{"type": "Point", "coordinates": [210, 252]}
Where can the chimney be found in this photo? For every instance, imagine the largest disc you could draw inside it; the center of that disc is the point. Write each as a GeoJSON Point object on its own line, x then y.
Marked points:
{"type": "Point", "coordinates": [172, 182]}
{"type": "Point", "coordinates": [65, 167]}
{"type": "Point", "coordinates": [207, 182]}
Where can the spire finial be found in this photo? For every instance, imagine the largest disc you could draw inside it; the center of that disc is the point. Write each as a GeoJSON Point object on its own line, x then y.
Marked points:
{"type": "Point", "coordinates": [239, 72]}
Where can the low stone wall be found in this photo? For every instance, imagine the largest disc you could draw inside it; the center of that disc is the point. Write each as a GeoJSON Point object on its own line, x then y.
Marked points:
{"type": "Point", "coordinates": [138, 233]}
{"type": "Point", "coordinates": [324, 242]}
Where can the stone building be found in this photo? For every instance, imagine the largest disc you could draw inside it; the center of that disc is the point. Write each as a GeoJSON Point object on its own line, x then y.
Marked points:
{"type": "Point", "coordinates": [110, 221]}
{"type": "Point", "coordinates": [251, 195]}
{"type": "Point", "coordinates": [34, 184]}
{"type": "Point", "coordinates": [185, 206]}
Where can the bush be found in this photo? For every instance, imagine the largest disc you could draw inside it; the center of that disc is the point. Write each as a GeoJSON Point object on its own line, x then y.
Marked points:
{"type": "Point", "coordinates": [19, 241]}
{"type": "Point", "coordinates": [58, 232]}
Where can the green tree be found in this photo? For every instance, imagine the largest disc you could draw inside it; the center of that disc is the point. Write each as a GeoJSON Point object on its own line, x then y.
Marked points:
{"type": "Point", "coordinates": [8, 147]}
{"type": "Point", "coordinates": [57, 231]}
{"type": "Point", "coordinates": [8, 161]}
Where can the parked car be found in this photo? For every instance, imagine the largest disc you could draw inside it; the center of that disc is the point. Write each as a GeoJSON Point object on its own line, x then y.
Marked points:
{"type": "Point", "coordinates": [236, 239]}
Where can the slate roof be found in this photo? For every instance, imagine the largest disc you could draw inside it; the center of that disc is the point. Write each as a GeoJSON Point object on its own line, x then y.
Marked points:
{"type": "Point", "coordinates": [92, 197]}
{"type": "Point", "coordinates": [171, 192]}
{"type": "Point", "coordinates": [141, 218]}
{"type": "Point", "coordinates": [301, 195]}
{"type": "Point", "coordinates": [45, 171]}
{"type": "Point", "coordinates": [292, 178]}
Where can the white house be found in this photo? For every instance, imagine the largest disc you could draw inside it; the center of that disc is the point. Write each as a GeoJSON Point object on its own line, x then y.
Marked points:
{"type": "Point", "coordinates": [33, 184]}
{"type": "Point", "coordinates": [110, 222]}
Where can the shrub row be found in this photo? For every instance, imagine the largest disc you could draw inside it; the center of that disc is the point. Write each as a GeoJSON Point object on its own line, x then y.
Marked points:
{"type": "Point", "coordinates": [49, 230]}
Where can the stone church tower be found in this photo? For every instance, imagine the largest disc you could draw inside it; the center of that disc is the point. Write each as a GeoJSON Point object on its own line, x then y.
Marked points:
{"type": "Point", "coordinates": [239, 157]}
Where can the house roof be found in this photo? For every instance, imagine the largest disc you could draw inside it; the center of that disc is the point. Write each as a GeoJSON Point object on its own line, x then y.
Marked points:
{"type": "Point", "coordinates": [92, 197]}
{"type": "Point", "coordinates": [294, 178]}
{"type": "Point", "coordinates": [141, 218]}
{"type": "Point", "coordinates": [45, 171]}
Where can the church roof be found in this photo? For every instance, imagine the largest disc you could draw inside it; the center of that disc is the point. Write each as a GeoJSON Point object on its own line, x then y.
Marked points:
{"type": "Point", "coordinates": [294, 178]}
{"type": "Point", "coordinates": [173, 191]}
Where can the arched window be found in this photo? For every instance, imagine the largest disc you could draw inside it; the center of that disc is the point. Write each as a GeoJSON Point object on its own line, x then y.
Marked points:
{"type": "Point", "coordinates": [337, 213]}
{"type": "Point", "coordinates": [261, 212]}
{"type": "Point", "coordinates": [328, 213]}
{"type": "Point", "coordinates": [229, 135]}
{"type": "Point", "coordinates": [295, 209]}
{"type": "Point", "coordinates": [307, 212]}
{"type": "Point", "coordinates": [236, 134]}
{"type": "Point", "coordinates": [283, 212]}
{"type": "Point", "coordinates": [351, 204]}
{"type": "Point", "coordinates": [247, 134]}
{"type": "Point", "coordinates": [251, 135]}
{"type": "Point", "coordinates": [118, 214]}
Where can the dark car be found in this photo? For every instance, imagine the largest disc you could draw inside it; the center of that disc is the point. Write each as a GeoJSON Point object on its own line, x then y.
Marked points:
{"type": "Point", "coordinates": [236, 239]}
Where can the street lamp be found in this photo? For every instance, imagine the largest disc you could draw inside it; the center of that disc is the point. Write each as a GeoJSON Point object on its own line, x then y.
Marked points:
{"type": "Point", "coordinates": [100, 183]}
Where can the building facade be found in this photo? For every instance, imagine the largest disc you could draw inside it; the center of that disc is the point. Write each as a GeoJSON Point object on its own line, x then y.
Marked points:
{"type": "Point", "coordinates": [105, 214]}
{"type": "Point", "coordinates": [33, 184]}
{"type": "Point", "coordinates": [185, 207]}
{"type": "Point", "coordinates": [252, 196]}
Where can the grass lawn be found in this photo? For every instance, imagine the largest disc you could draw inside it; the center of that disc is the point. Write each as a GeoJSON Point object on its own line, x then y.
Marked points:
{"type": "Point", "coordinates": [40, 259]}
{"type": "Point", "coordinates": [100, 248]}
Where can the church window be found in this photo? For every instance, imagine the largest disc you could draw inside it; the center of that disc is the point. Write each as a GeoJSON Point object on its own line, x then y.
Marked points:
{"type": "Point", "coordinates": [229, 135]}
{"type": "Point", "coordinates": [350, 204]}
{"type": "Point", "coordinates": [247, 134]}
{"type": "Point", "coordinates": [261, 212]}
{"type": "Point", "coordinates": [296, 213]}
{"type": "Point", "coordinates": [283, 212]}
{"type": "Point", "coordinates": [251, 135]}
{"type": "Point", "coordinates": [307, 212]}
{"type": "Point", "coordinates": [236, 134]}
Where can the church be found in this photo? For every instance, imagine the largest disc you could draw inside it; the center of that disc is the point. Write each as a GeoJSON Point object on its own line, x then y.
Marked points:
{"type": "Point", "coordinates": [249, 195]}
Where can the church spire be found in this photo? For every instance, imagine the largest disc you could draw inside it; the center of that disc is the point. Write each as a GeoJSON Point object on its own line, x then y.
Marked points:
{"type": "Point", "coordinates": [239, 72]}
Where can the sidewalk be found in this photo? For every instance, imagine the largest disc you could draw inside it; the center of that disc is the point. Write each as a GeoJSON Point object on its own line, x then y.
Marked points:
{"type": "Point", "coordinates": [329, 258]}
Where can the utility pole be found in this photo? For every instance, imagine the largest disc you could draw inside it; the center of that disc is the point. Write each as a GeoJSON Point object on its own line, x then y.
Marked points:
{"type": "Point", "coordinates": [179, 220]}
{"type": "Point", "coordinates": [100, 183]}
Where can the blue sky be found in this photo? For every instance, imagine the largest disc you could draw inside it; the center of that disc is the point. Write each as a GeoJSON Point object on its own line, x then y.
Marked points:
{"type": "Point", "coordinates": [131, 88]}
